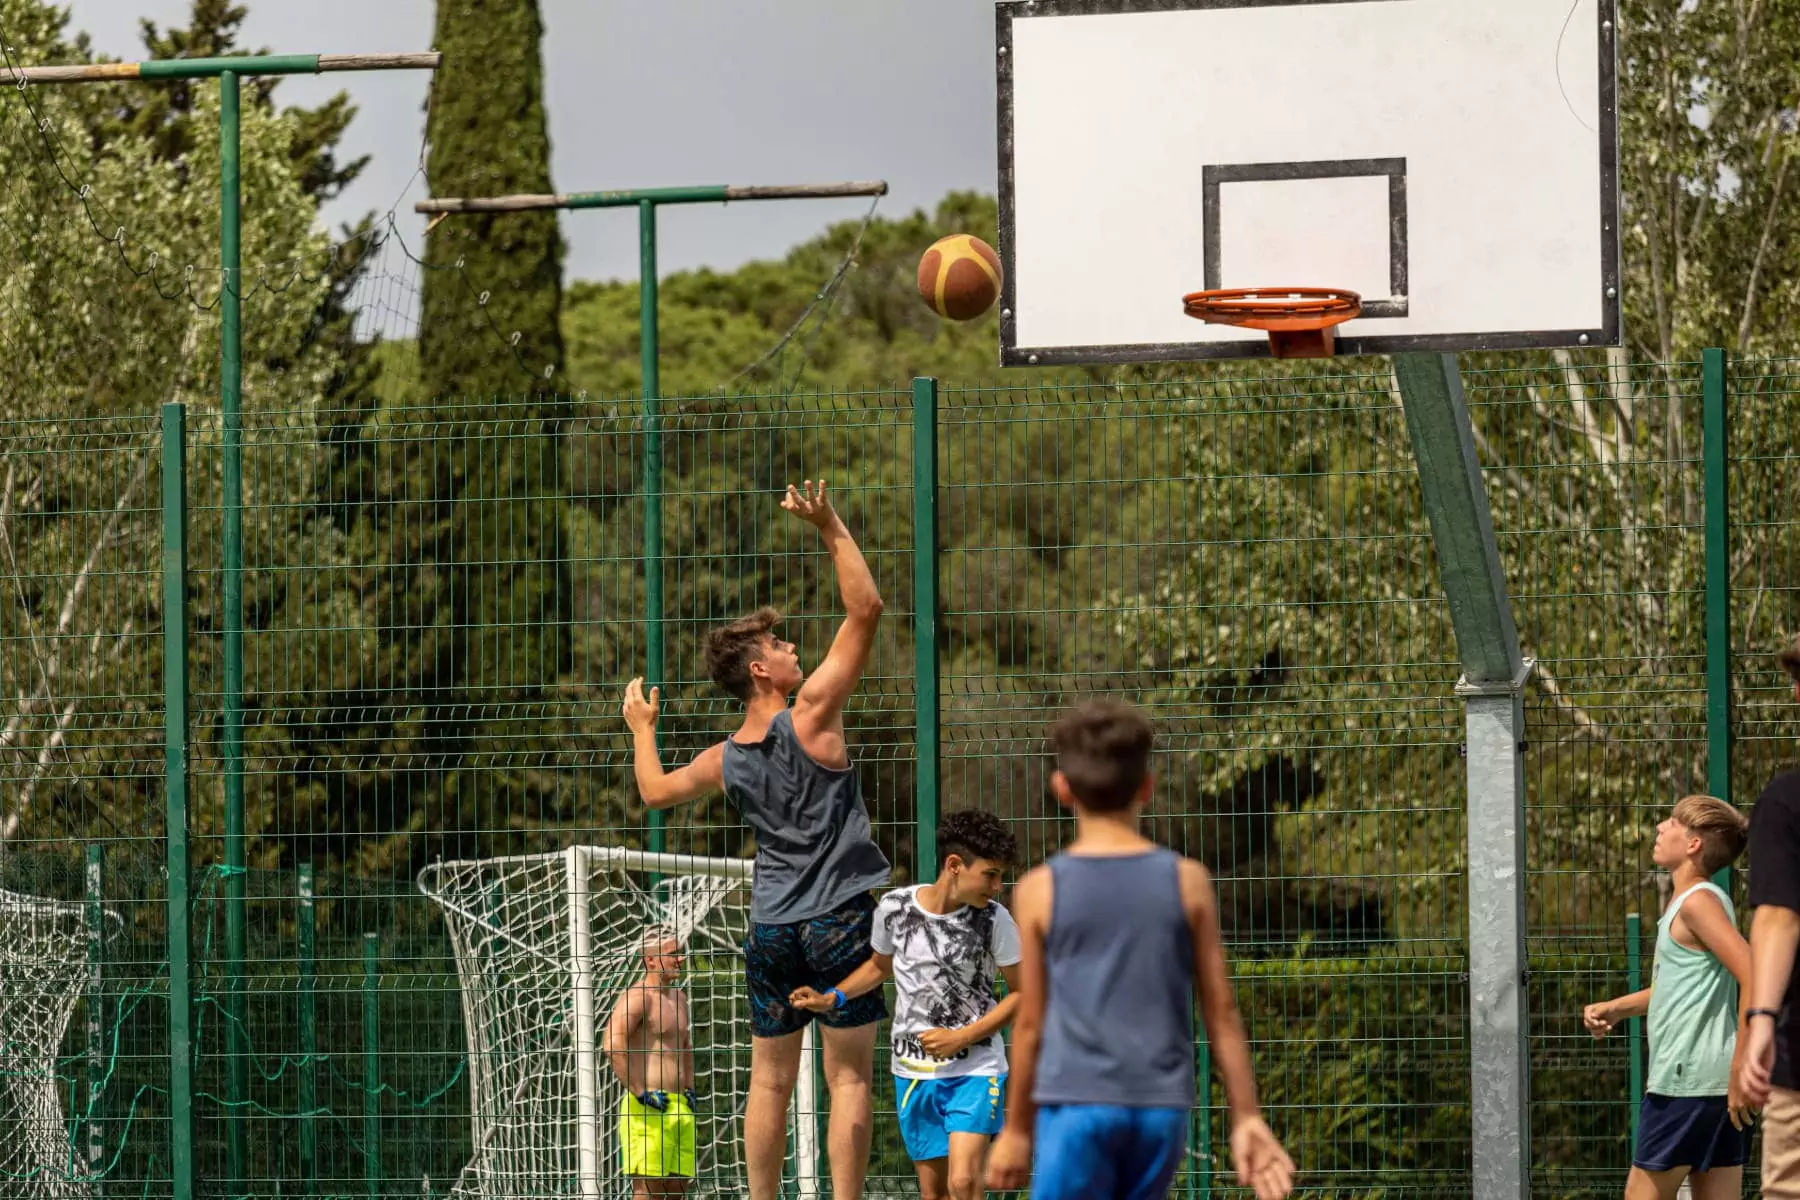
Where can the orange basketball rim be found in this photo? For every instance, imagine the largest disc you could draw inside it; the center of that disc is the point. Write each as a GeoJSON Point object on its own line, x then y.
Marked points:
{"type": "Point", "coordinates": [1299, 320]}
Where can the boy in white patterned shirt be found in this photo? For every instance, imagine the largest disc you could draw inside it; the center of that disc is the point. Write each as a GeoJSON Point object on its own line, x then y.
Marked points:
{"type": "Point", "coordinates": [942, 944]}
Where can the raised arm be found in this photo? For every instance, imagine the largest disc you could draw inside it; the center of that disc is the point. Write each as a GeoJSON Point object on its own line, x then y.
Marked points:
{"type": "Point", "coordinates": [627, 1015]}
{"type": "Point", "coordinates": [660, 788]}
{"type": "Point", "coordinates": [1260, 1161]}
{"type": "Point", "coordinates": [819, 707]}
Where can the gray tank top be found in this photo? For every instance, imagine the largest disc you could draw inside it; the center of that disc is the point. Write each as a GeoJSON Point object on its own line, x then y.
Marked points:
{"type": "Point", "coordinates": [1119, 956]}
{"type": "Point", "coordinates": [814, 849]}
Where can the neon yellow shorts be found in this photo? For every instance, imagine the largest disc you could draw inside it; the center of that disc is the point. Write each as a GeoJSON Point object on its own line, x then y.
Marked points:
{"type": "Point", "coordinates": [657, 1145]}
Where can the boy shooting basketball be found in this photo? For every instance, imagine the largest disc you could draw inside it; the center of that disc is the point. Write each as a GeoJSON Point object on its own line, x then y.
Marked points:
{"type": "Point", "coordinates": [788, 772]}
{"type": "Point", "coordinates": [1119, 936]}
{"type": "Point", "coordinates": [942, 943]}
{"type": "Point", "coordinates": [649, 1044]}
{"type": "Point", "coordinates": [1686, 1127]}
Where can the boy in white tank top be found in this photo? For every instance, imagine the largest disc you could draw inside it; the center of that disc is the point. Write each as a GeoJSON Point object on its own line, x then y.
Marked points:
{"type": "Point", "coordinates": [1687, 1129]}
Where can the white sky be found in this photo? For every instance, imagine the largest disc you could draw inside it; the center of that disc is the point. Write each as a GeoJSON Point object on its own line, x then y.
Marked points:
{"type": "Point", "coordinates": [729, 91]}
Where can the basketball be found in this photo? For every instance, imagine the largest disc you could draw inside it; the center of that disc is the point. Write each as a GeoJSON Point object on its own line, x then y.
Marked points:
{"type": "Point", "coordinates": [959, 277]}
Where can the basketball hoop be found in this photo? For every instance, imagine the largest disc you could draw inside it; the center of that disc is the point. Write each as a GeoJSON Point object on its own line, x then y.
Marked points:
{"type": "Point", "coordinates": [1299, 320]}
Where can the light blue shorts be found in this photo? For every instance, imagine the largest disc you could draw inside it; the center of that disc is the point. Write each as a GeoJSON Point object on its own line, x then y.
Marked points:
{"type": "Point", "coordinates": [933, 1109]}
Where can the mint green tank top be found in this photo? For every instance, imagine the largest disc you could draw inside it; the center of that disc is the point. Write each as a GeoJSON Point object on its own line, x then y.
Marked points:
{"type": "Point", "coordinates": [1693, 1012]}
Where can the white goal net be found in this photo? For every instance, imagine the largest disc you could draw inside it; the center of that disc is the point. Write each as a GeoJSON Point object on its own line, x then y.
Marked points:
{"type": "Point", "coordinates": [43, 968]}
{"type": "Point", "coordinates": [544, 945]}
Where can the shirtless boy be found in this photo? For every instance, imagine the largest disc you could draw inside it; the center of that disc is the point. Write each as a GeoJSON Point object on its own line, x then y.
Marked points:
{"type": "Point", "coordinates": [651, 1049]}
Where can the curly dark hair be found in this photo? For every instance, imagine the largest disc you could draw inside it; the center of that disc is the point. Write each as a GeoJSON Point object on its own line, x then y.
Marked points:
{"type": "Point", "coordinates": [971, 835]}
{"type": "Point", "coordinates": [730, 649]}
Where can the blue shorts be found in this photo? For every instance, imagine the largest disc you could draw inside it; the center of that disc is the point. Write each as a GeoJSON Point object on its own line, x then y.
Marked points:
{"type": "Point", "coordinates": [1107, 1152]}
{"type": "Point", "coordinates": [1688, 1131]}
{"type": "Point", "coordinates": [933, 1109]}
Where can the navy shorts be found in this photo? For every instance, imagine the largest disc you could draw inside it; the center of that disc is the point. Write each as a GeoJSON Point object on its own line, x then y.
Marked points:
{"type": "Point", "coordinates": [1107, 1152]}
{"type": "Point", "coordinates": [816, 953]}
{"type": "Point", "coordinates": [1688, 1131]}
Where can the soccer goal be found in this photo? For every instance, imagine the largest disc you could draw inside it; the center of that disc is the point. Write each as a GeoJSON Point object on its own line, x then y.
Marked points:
{"type": "Point", "coordinates": [43, 968]}
{"type": "Point", "coordinates": [544, 946]}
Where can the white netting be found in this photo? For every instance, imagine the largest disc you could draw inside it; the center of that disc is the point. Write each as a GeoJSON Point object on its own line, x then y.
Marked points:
{"type": "Point", "coordinates": [43, 966]}
{"type": "Point", "coordinates": [544, 946]}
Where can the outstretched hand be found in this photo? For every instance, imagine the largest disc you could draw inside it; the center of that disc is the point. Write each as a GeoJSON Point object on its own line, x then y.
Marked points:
{"type": "Point", "coordinates": [810, 504]}
{"type": "Point", "coordinates": [640, 714]}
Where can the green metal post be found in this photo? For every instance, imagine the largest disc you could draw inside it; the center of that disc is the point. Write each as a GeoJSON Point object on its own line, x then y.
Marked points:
{"type": "Point", "coordinates": [1634, 1033]}
{"type": "Point", "coordinates": [372, 1063]}
{"type": "Point", "coordinates": [96, 1011]}
{"type": "Point", "coordinates": [1204, 1167]}
{"type": "Point", "coordinates": [175, 772]}
{"type": "Point", "coordinates": [926, 716]}
{"type": "Point", "coordinates": [653, 539]}
{"type": "Point", "coordinates": [231, 378]}
{"type": "Point", "coordinates": [309, 1034]}
{"type": "Point", "coordinates": [1715, 456]}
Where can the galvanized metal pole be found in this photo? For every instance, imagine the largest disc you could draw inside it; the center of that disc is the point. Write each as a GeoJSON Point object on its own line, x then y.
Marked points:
{"type": "Point", "coordinates": [175, 775]}
{"type": "Point", "coordinates": [231, 620]}
{"type": "Point", "coordinates": [1493, 685]}
{"type": "Point", "coordinates": [309, 1033]}
{"type": "Point", "coordinates": [650, 354]}
{"type": "Point", "coordinates": [927, 718]}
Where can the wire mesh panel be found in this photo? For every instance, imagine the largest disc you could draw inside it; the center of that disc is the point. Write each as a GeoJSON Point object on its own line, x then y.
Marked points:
{"type": "Point", "coordinates": [1593, 473]}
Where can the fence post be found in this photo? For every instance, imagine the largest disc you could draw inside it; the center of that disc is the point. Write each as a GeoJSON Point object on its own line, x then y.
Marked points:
{"type": "Point", "coordinates": [175, 773]}
{"type": "Point", "coordinates": [927, 717]}
{"type": "Point", "coordinates": [231, 621]}
{"type": "Point", "coordinates": [96, 1012]}
{"type": "Point", "coordinates": [309, 1033]}
{"type": "Point", "coordinates": [1634, 1026]}
{"type": "Point", "coordinates": [372, 1063]}
{"type": "Point", "coordinates": [1715, 456]}
{"type": "Point", "coordinates": [649, 353]}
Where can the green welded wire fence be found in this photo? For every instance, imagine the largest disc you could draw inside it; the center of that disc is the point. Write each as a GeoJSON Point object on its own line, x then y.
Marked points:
{"type": "Point", "coordinates": [444, 599]}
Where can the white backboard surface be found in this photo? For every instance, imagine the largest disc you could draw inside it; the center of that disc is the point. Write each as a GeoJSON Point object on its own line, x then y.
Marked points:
{"type": "Point", "coordinates": [1455, 161]}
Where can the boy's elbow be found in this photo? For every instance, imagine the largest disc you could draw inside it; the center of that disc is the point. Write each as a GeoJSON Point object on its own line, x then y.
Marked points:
{"type": "Point", "coordinates": [869, 609]}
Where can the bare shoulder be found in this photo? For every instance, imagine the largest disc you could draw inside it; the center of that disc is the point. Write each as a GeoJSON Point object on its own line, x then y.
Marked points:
{"type": "Point", "coordinates": [1196, 884]}
{"type": "Point", "coordinates": [1031, 897]}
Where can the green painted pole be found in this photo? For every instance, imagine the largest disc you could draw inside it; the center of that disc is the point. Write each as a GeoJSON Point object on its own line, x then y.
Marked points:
{"type": "Point", "coordinates": [1715, 456]}
{"type": "Point", "coordinates": [309, 1033]}
{"type": "Point", "coordinates": [175, 774]}
{"type": "Point", "coordinates": [372, 1063]}
{"type": "Point", "coordinates": [1634, 1033]}
{"type": "Point", "coordinates": [653, 531]}
{"type": "Point", "coordinates": [926, 715]}
{"type": "Point", "coordinates": [1203, 1074]}
{"type": "Point", "coordinates": [96, 1013]}
{"type": "Point", "coordinates": [231, 380]}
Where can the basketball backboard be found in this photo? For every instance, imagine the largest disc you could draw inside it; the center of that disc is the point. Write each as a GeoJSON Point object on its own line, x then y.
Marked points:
{"type": "Point", "coordinates": [1454, 161]}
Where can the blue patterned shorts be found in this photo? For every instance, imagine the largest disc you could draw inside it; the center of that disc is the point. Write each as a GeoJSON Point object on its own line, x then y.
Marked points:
{"type": "Point", "coordinates": [817, 953]}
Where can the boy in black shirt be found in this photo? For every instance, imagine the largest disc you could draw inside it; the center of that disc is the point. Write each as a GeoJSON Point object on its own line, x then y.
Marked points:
{"type": "Point", "coordinates": [1767, 1077]}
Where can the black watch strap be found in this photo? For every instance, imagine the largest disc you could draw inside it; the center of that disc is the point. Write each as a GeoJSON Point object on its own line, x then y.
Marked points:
{"type": "Point", "coordinates": [1774, 1014]}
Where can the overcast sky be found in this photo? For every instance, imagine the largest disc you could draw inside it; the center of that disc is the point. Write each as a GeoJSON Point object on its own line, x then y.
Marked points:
{"type": "Point", "coordinates": [726, 91]}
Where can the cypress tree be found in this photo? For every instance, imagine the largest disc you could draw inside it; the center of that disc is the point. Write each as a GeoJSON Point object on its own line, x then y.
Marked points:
{"type": "Point", "coordinates": [475, 600]}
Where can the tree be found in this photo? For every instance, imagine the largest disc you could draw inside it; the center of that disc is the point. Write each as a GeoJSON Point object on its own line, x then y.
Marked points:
{"type": "Point", "coordinates": [457, 494]}
{"type": "Point", "coordinates": [111, 251]}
